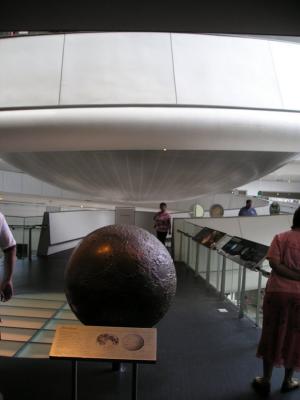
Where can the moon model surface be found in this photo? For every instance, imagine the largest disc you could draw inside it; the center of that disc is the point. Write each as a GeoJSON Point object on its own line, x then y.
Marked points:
{"type": "Point", "coordinates": [120, 275]}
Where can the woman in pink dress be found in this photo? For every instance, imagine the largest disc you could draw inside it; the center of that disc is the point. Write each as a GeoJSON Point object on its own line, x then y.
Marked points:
{"type": "Point", "coordinates": [162, 223]}
{"type": "Point", "coordinates": [280, 339]}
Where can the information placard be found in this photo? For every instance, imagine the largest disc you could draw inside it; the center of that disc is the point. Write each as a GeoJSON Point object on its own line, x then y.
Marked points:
{"type": "Point", "coordinates": [104, 343]}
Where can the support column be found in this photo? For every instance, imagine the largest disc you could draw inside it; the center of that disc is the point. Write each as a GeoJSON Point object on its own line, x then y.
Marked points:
{"type": "Point", "coordinates": [134, 381]}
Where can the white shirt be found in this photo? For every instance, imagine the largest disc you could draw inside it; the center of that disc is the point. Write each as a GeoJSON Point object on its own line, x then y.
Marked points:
{"type": "Point", "coordinates": [6, 237]}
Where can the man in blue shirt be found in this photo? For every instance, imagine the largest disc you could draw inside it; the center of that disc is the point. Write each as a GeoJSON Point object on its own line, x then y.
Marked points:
{"type": "Point", "coordinates": [248, 210]}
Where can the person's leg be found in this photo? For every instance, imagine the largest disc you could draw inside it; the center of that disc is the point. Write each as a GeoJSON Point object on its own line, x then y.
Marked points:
{"type": "Point", "coordinates": [164, 236]}
{"type": "Point", "coordinates": [288, 374]}
{"type": "Point", "coordinates": [262, 383]}
{"type": "Point", "coordinates": [268, 369]}
{"type": "Point", "coordinates": [292, 353]}
{"type": "Point", "coordinates": [158, 235]}
{"type": "Point", "coordinates": [161, 236]}
{"type": "Point", "coordinates": [289, 383]}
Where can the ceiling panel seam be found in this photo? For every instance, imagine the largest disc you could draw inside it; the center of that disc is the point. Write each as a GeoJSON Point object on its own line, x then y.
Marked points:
{"type": "Point", "coordinates": [61, 69]}
{"type": "Point", "coordinates": [173, 67]}
{"type": "Point", "coordinates": [276, 75]}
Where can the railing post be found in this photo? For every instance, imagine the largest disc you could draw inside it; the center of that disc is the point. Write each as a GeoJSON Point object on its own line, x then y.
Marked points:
{"type": "Point", "coordinates": [197, 260]}
{"type": "Point", "coordinates": [218, 274]}
{"type": "Point", "coordinates": [180, 246]}
{"type": "Point", "coordinates": [30, 243]}
{"type": "Point", "coordinates": [208, 266]}
{"type": "Point", "coordinates": [242, 296]}
{"type": "Point", "coordinates": [239, 285]}
{"type": "Point", "coordinates": [188, 251]}
{"type": "Point", "coordinates": [223, 278]}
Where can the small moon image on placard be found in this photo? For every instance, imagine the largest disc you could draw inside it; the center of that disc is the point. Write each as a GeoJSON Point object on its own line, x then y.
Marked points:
{"type": "Point", "coordinates": [105, 339]}
{"type": "Point", "coordinates": [133, 342]}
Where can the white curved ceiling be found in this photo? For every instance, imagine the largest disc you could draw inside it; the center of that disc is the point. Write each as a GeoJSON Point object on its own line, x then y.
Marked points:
{"type": "Point", "coordinates": [149, 128]}
{"type": "Point", "coordinates": [149, 68]}
{"type": "Point", "coordinates": [116, 153]}
{"type": "Point", "coordinates": [145, 176]}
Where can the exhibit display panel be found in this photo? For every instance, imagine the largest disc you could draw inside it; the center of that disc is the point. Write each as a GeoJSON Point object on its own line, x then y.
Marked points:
{"type": "Point", "coordinates": [28, 323]}
{"type": "Point", "coordinates": [230, 255]}
{"type": "Point", "coordinates": [245, 252]}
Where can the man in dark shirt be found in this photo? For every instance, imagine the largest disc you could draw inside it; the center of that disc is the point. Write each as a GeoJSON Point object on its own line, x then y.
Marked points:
{"type": "Point", "coordinates": [248, 210]}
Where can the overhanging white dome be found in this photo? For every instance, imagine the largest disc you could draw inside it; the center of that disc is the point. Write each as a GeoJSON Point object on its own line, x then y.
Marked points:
{"type": "Point", "coordinates": [93, 112]}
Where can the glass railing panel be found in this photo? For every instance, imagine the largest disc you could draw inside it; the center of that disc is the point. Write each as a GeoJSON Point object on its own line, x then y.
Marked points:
{"type": "Point", "coordinates": [184, 249]}
{"type": "Point", "coordinates": [215, 270]}
{"type": "Point", "coordinates": [252, 294]}
{"type": "Point", "coordinates": [35, 237]}
{"type": "Point", "coordinates": [193, 252]}
{"type": "Point", "coordinates": [242, 286]}
{"type": "Point", "coordinates": [233, 281]}
{"type": "Point", "coordinates": [203, 255]}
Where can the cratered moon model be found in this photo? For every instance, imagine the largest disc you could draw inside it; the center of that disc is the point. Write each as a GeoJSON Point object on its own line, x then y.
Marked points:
{"type": "Point", "coordinates": [120, 275]}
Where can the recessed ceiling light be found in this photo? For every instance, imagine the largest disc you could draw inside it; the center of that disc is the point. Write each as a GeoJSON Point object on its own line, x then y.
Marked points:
{"type": "Point", "coordinates": [81, 206]}
{"type": "Point", "coordinates": [164, 149]}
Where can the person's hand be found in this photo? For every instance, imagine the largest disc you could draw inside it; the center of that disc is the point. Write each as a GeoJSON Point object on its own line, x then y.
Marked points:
{"type": "Point", "coordinates": [6, 290]}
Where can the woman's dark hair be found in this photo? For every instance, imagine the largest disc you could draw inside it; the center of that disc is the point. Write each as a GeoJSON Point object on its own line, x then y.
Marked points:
{"type": "Point", "coordinates": [296, 219]}
{"type": "Point", "coordinates": [163, 205]}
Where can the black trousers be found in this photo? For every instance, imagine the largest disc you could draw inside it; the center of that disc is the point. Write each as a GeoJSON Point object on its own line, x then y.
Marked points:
{"type": "Point", "coordinates": [162, 236]}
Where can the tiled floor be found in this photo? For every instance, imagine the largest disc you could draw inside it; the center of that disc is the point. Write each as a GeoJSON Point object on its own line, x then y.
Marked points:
{"type": "Point", "coordinates": [28, 323]}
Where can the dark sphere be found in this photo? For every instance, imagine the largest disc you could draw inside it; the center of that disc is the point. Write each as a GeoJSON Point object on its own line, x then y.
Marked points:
{"type": "Point", "coordinates": [120, 275]}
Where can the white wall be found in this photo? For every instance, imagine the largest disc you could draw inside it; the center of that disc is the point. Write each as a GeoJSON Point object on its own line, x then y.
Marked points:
{"type": "Point", "coordinates": [144, 219]}
{"type": "Point", "coordinates": [72, 225]}
{"type": "Point", "coordinates": [67, 228]}
{"type": "Point", "coordinates": [21, 210]}
{"type": "Point", "coordinates": [259, 229]}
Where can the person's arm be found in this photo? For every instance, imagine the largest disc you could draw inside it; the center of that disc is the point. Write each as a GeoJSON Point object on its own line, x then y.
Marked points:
{"type": "Point", "coordinates": [8, 245]}
{"type": "Point", "coordinates": [6, 287]}
{"type": "Point", "coordinates": [282, 270]}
